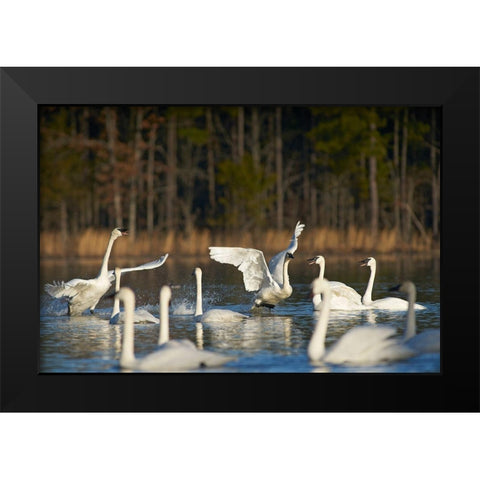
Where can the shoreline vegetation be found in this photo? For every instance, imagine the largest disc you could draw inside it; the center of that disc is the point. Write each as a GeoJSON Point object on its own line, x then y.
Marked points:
{"type": "Point", "coordinates": [91, 243]}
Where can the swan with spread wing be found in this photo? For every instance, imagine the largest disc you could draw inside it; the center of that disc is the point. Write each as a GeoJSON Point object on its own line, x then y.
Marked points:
{"type": "Point", "coordinates": [84, 294]}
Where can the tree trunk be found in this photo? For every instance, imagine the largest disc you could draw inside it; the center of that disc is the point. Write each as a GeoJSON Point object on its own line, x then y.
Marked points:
{"type": "Point", "coordinates": [403, 177]}
{"type": "Point", "coordinates": [111, 127]}
{"type": "Point", "coordinates": [171, 192]}
{"type": "Point", "coordinates": [435, 178]}
{"type": "Point", "coordinates": [373, 185]}
{"type": "Point", "coordinates": [64, 224]}
{"type": "Point", "coordinates": [279, 166]}
{"type": "Point", "coordinates": [150, 178]}
{"type": "Point", "coordinates": [256, 138]}
{"type": "Point", "coordinates": [137, 155]}
{"type": "Point", "coordinates": [396, 161]}
{"type": "Point", "coordinates": [210, 161]}
{"type": "Point", "coordinates": [241, 133]}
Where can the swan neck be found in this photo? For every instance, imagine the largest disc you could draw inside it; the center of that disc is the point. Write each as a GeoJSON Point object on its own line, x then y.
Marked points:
{"type": "Point", "coordinates": [286, 278]}
{"type": "Point", "coordinates": [127, 357]}
{"type": "Point", "coordinates": [116, 301]}
{"type": "Point", "coordinates": [410, 329]}
{"type": "Point", "coordinates": [198, 305]}
{"type": "Point", "coordinates": [317, 299]}
{"type": "Point", "coordinates": [321, 272]}
{"type": "Point", "coordinates": [367, 297]}
{"type": "Point", "coordinates": [316, 346]}
{"type": "Point", "coordinates": [164, 326]}
{"type": "Point", "coordinates": [104, 267]}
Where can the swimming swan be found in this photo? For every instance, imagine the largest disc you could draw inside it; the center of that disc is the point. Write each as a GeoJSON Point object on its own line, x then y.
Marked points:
{"type": "Point", "coordinates": [256, 275]}
{"type": "Point", "coordinates": [427, 341]}
{"type": "Point", "coordinates": [171, 355]}
{"type": "Point", "coordinates": [343, 296]}
{"type": "Point", "coordinates": [140, 315]}
{"type": "Point", "coordinates": [82, 294]}
{"type": "Point", "coordinates": [214, 314]}
{"type": "Point", "coordinates": [275, 265]}
{"type": "Point", "coordinates": [388, 303]}
{"type": "Point", "coordinates": [362, 345]}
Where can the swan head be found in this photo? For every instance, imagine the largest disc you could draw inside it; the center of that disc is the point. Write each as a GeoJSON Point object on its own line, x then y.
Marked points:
{"type": "Point", "coordinates": [119, 232]}
{"type": "Point", "coordinates": [165, 294]}
{"type": "Point", "coordinates": [319, 286]}
{"type": "Point", "coordinates": [368, 262]}
{"type": "Point", "coordinates": [316, 260]}
{"type": "Point", "coordinates": [197, 271]}
{"type": "Point", "coordinates": [289, 256]}
{"type": "Point", "coordinates": [126, 295]}
{"type": "Point", "coordinates": [404, 287]}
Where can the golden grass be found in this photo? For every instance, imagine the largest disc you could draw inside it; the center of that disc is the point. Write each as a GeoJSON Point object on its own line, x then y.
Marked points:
{"type": "Point", "coordinates": [92, 243]}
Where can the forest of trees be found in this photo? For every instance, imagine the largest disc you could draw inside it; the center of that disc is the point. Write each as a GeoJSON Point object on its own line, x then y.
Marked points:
{"type": "Point", "coordinates": [240, 168]}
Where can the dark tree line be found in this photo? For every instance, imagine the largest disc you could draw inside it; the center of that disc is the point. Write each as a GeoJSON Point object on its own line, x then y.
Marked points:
{"type": "Point", "coordinates": [240, 168]}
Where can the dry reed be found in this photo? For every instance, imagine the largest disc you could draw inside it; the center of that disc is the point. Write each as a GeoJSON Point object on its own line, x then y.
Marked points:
{"type": "Point", "coordinates": [92, 243]}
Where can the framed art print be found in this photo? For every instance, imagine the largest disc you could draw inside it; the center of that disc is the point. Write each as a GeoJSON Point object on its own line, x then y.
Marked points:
{"type": "Point", "coordinates": [215, 198]}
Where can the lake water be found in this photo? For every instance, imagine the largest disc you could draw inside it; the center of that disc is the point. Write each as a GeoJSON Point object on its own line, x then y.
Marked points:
{"type": "Point", "coordinates": [268, 342]}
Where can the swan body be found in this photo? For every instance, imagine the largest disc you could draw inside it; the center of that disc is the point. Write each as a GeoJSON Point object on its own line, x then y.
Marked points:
{"type": "Point", "coordinates": [171, 355]}
{"type": "Point", "coordinates": [275, 265]}
{"type": "Point", "coordinates": [214, 314]}
{"type": "Point", "coordinates": [388, 303]}
{"type": "Point", "coordinates": [343, 296]}
{"type": "Point", "coordinates": [427, 341]}
{"type": "Point", "coordinates": [85, 294]}
{"type": "Point", "coordinates": [362, 345]}
{"type": "Point", "coordinates": [140, 315]}
{"type": "Point", "coordinates": [256, 275]}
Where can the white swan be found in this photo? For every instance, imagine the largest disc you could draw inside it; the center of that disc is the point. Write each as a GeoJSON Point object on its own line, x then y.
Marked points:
{"type": "Point", "coordinates": [139, 316]}
{"type": "Point", "coordinates": [256, 275]}
{"type": "Point", "coordinates": [275, 265]}
{"type": "Point", "coordinates": [82, 294]}
{"type": "Point", "coordinates": [171, 355]}
{"type": "Point", "coordinates": [214, 314]}
{"type": "Point", "coordinates": [343, 296]}
{"type": "Point", "coordinates": [388, 303]}
{"type": "Point", "coordinates": [427, 341]}
{"type": "Point", "coordinates": [363, 345]}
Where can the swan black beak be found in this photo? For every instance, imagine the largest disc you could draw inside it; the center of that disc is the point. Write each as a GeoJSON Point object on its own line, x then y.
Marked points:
{"type": "Point", "coordinates": [364, 262]}
{"type": "Point", "coordinates": [311, 261]}
{"type": "Point", "coordinates": [290, 255]}
{"type": "Point", "coordinates": [124, 231]}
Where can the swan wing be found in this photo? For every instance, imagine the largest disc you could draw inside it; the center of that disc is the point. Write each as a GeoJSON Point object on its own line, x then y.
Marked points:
{"type": "Point", "coordinates": [276, 263]}
{"type": "Point", "coordinates": [177, 355]}
{"type": "Point", "coordinates": [249, 261]}
{"type": "Point", "coordinates": [222, 315]}
{"type": "Point", "coordinates": [146, 266]}
{"type": "Point", "coordinates": [344, 296]}
{"type": "Point", "coordinates": [361, 345]}
{"type": "Point", "coordinates": [425, 342]}
{"type": "Point", "coordinates": [68, 289]}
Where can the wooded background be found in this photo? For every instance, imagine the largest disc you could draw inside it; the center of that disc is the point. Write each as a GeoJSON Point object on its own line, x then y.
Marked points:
{"type": "Point", "coordinates": [358, 177]}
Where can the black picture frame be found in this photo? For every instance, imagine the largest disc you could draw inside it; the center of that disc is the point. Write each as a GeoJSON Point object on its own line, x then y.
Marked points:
{"type": "Point", "coordinates": [456, 388]}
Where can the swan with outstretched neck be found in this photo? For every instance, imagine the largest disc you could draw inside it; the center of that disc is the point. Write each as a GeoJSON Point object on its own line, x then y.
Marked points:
{"type": "Point", "coordinates": [84, 294]}
{"type": "Point", "coordinates": [427, 341]}
{"type": "Point", "coordinates": [140, 315]}
{"type": "Point", "coordinates": [271, 283]}
{"type": "Point", "coordinates": [275, 265]}
{"type": "Point", "coordinates": [213, 314]}
{"type": "Point", "coordinates": [362, 345]}
{"type": "Point", "coordinates": [388, 303]}
{"type": "Point", "coordinates": [170, 355]}
{"type": "Point", "coordinates": [343, 296]}
{"type": "Point", "coordinates": [256, 275]}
